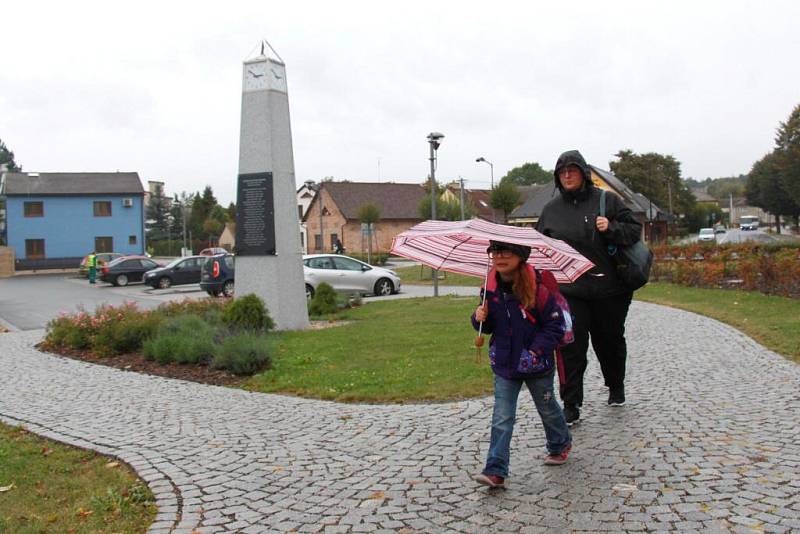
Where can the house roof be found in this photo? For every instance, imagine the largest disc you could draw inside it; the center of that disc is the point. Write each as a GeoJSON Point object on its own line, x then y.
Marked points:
{"type": "Point", "coordinates": [395, 201]}
{"type": "Point", "coordinates": [637, 202]}
{"type": "Point", "coordinates": [72, 183]}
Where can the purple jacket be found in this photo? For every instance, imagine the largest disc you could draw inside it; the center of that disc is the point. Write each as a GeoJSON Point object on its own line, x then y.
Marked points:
{"type": "Point", "coordinates": [512, 330]}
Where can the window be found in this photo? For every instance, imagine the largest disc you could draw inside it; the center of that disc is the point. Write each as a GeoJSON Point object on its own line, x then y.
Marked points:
{"type": "Point", "coordinates": [346, 264]}
{"type": "Point", "coordinates": [131, 239]}
{"type": "Point", "coordinates": [103, 244]}
{"type": "Point", "coordinates": [302, 240]}
{"type": "Point", "coordinates": [318, 241]}
{"type": "Point", "coordinates": [334, 239]}
{"type": "Point", "coordinates": [128, 265]}
{"type": "Point", "coordinates": [320, 263]}
{"type": "Point", "coordinates": [300, 211]}
{"type": "Point", "coordinates": [148, 264]}
{"type": "Point", "coordinates": [34, 249]}
{"type": "Point", "coordinates": [102, 208]}
{"type": "Point", "coordinates": [34, 209]}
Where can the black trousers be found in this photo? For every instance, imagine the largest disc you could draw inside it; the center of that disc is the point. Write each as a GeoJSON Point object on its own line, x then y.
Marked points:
{"type": "Point", "coordinates": [604, 320]}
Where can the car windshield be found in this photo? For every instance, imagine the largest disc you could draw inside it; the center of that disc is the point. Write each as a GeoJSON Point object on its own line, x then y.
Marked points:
{"type": "Point", "coordinates": [173, 263]}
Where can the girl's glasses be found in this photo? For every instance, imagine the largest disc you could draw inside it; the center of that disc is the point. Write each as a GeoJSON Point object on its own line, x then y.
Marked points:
{"type": "Point", "coordinates": [500, 253]}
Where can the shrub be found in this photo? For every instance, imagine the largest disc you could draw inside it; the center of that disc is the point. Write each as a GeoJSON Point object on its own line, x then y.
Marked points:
{"type": "Point", "coordinates": [247, 313]}
{"type": "Point", "coordinates": [182, 339]}
{"type": "Point", "coordinates": [188, 306]}
{"type": "Point", "coordinates": [128, 335]}
{"type": "Point", "coordinates": [324, 301]}
{"type": "Point", "coordinates": [243, 354]}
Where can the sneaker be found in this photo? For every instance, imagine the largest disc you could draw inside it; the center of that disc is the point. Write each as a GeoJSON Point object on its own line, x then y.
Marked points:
{"type": "Point", "coordinates": [558, 459]}
{"type": "Point", "coordinates": [616, 396]}
{"type": "Point", "coordinates": [572, 414]}
{"type": "Point", "coordinates": [493, 481]}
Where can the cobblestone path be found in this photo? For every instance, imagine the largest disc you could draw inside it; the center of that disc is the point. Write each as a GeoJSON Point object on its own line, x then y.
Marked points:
{"type": "Point", "coordinates": [709, 441]}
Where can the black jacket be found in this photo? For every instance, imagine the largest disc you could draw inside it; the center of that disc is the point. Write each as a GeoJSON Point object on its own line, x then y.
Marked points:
{"type": "Point", "coordinates": [571, 217]}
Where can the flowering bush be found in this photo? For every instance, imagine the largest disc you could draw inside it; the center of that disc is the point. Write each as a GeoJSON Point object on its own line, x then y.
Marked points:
{"type": "Point", "coordinates": [773, 268]}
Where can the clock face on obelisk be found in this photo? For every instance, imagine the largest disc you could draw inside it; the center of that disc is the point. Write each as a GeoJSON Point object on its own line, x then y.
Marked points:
{"type": "Point", "coordinates": [255, 76]}
{"type": "Point", "coordinates": [265, 74]}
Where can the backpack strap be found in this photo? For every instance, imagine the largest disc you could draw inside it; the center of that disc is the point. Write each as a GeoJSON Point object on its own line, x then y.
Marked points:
{"type": "Point", "coordinates": [602, 203]}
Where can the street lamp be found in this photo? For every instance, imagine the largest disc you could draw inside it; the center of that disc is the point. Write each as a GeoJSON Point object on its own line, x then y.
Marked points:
{"type": "Point", "coordinates": [491, 167]}
{"type": "Point", "coordinates": [434, 140]}
{"type": "Point", "coordinates": [318, 189]}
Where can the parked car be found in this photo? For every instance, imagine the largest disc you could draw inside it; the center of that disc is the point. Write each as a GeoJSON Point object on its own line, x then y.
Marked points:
{"type": "Point", "coordinates": [213, 251]}
{"type": "Point", "coordinates": [126, 269]}
{"type": "Point", "coordinates": [216, 275]}
{"type": "Point", "coordinates": [103, 258]}
{"type": "Point", "coordinates": [706, 234]}
{"type": "Point", "coordinates": [347, 275]}
{"type": "Point", "coordinates": [178, 272]}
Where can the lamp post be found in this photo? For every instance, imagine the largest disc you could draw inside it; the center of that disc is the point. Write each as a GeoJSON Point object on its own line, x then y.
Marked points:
{"type": "Point", "coordinates": [434, 140]}
{"type": "Point", "coordinates": [491, 167]}
{"type": "Point", "coordinates": [318, 189]}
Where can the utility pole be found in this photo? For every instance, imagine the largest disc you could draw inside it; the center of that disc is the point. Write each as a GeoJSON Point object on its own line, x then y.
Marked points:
{"type": "Point", "coordinates": [463, 217]}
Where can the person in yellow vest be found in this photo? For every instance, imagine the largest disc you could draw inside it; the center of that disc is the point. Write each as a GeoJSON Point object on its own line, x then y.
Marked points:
{"type": "Point", "coordinates": [91, 261]}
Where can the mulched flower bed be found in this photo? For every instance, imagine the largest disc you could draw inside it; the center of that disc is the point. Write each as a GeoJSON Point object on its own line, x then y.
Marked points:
{"type": "Point", "coordinates": [137, 363]}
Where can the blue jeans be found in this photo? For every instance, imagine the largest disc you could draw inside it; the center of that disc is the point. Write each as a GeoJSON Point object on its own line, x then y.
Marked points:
{"type": "Point", "coordinates": [506, 393]}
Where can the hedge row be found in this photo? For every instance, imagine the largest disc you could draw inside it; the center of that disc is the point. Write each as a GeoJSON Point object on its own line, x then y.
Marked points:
{"type": "Point", "coordinates": [773, 269]}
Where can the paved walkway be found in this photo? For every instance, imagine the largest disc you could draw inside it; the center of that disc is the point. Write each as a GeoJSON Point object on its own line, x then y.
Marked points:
{"type": "Point", "coordinates": [709, 441]}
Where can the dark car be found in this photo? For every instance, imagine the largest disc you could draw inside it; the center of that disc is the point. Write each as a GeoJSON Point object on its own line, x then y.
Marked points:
{"type": "Point", "coordinates": [126, 269]}
{"type": "Point", "coordinates": [103, 258]}
{"type": "Point", "coordinates": [179, 272]}
{"type": "Point", "coordinates": [217, 275]}
{"type": "Point", "coordinates": [213, 251]}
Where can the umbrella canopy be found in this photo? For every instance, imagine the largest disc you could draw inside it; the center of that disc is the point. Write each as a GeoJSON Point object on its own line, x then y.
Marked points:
{"type": "Point", "coordinates": [460, 247]}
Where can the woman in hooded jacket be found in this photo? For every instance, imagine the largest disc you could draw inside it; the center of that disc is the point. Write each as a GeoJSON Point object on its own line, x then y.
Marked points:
{"type": "Point", "coordinates": [526, 325]}
{"type": "Point", "coordinates": [598, 300]}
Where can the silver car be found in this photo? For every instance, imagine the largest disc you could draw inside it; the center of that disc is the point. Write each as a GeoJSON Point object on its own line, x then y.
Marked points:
{"type": "Point", "coordinates": [347, 275]}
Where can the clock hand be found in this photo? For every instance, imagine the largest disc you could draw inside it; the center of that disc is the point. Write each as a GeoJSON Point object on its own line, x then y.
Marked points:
{"type": "Point", "coordinates": [275, 74]}
{"type": "Point", "coordinates": [254, 74]}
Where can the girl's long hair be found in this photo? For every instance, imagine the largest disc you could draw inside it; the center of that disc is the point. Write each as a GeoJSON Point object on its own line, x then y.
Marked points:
{"type": "Point", "coordinates": [525, 285]}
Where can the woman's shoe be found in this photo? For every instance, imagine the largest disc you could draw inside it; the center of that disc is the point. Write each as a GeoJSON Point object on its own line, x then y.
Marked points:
{"type": "Point", "coordinates": [493, 481]}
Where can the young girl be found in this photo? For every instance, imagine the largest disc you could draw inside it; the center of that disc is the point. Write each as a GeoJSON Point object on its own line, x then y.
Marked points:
{"type": "Point", "coordinates": [526, 325]}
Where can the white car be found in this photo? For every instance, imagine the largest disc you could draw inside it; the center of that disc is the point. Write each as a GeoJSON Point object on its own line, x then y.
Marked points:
{"type": "Point", "coordinates": [347, 275]}
{"type": "Point", "coordinates": [706, 234]}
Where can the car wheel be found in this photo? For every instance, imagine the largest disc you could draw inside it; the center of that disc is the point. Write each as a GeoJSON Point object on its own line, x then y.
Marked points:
{"type": "Point", "coordinates": [384, 287]}
{"type": "Point", "coordinates": [227, 288]}
{"type": "Point", "coordinates": [309, 292]}
{"type": "Point", "coordinates": [164, 282]}
{"type": "Point", "coordinates": [121, 280]}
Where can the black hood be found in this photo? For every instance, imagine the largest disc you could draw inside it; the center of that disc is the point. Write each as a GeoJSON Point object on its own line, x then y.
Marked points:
{"type": "Point", "coordinates": [572, 157]}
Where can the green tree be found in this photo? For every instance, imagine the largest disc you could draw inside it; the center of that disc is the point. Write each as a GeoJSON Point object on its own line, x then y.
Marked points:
{"type": "Point", "coordinates": [231, 215]}
{"type": "Point", "coordinates": [202, 208]}
{"type": "Point", "coordinates": [528, 174]}
{"type": "Point", "coordinates": [723, 188]}
{"type": "Point", "coordinates": [369, 213]}
{"type": "Point", "coordinates": [157, 216]}
{"type": "Point", "coordinates": [766, 189]}
{"type": "Point", "coordinates": [787, 149]}
{"type": "Point", "coordinates": [7, 158]}
{"type": "Point", "coordinates": [654, 175]}
{"type": "Point", "coordinates": [505, 197]}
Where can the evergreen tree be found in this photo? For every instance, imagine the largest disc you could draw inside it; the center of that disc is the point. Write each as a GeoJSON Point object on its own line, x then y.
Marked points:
{"type": "Point", "coordinates": [157, 215]}
{"type": "Point", "coordinates": [7, 158]}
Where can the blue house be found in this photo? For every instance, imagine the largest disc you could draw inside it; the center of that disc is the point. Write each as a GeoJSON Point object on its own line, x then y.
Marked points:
{"type": "Point", "coordinates": [52, 220]}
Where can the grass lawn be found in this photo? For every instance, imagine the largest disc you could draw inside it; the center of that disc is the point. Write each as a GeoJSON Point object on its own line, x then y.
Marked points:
{"type": "Point", "coordinates": [392, 351]}
{"type": "Point", "coordinates": [421, 276]}
{"type": "Point", "coordinates": [772, 321]}
{"type": "Point", "coordinates": [49, 487]}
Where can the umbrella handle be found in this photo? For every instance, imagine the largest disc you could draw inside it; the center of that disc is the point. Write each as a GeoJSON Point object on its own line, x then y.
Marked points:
{"type": "Point", "coordinates": [483, 297]}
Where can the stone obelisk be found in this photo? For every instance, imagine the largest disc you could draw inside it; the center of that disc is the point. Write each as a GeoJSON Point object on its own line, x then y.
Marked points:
{"type": "Point", "coordinates": [268, 254]}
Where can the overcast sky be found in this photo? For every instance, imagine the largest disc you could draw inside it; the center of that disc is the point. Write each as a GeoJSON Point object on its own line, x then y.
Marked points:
{"type": "Point", "coordinates": [155, 87]}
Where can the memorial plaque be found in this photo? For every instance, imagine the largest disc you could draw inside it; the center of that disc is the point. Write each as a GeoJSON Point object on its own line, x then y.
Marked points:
{"type": "Point", "coordinates": [255, 215]}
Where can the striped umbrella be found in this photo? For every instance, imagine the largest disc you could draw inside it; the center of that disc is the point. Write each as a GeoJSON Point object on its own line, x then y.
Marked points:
{"type": "Point", "coordinates": [460, 247]}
